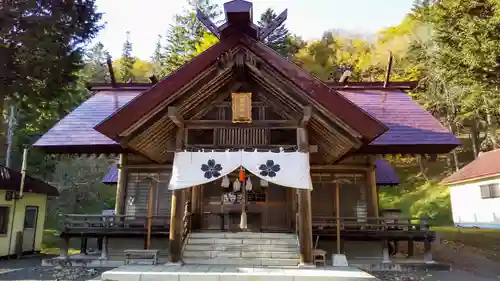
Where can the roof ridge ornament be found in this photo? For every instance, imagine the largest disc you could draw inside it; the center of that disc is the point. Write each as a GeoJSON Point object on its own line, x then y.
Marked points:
{"type": "Point", "coordinates": [239, 16]}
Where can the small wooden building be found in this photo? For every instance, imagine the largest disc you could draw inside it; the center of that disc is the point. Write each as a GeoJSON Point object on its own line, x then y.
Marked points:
{"type": "Point", "coordinates": [475, 192]}
{"type": "Point", "coordinates": [22, 214]}
{"type": "Point", "coordinates": [239, 113]}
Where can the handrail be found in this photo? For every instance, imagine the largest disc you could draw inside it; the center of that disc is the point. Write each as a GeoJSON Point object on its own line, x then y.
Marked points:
{"type": "Point", "coordinates": [82, 221]}
{"type": "Point", "coordinates": [384, 223]}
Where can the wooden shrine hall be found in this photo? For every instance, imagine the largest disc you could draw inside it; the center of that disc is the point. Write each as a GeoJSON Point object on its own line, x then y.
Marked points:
{"type": "Point", "coordinates": [241, 140]}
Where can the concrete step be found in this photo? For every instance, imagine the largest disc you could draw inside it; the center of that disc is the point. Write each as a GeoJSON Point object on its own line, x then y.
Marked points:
{"type": "Point", "coordinates": [242, 247]}
{"type": "Point", "coordinates": [244, 261]}
{"type": "Point", "coordinates": [240, 254]}
{"type": "Point", "coordinates": [233, 241]}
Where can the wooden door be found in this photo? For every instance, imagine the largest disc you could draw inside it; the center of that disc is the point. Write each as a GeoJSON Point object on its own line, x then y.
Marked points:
{"type": "Point", "coordinates": [29, 231]}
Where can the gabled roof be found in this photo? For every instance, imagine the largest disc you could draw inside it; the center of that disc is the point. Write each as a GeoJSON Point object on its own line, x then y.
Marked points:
{"type": "Point", "coordinates": [410, 126]}
{"type": "Point", "coordinates": [163, 92]}
{"type": "Point", "coordinates": [76, 133]}
{"type": "Point", "coordinates": [412, 129]}
{"type": "Point", "coordinates": [11, 180]}
{"type": "Point", "coordinates": [486, 165]}
{"type": "Point", "coordinates": [385, 174]}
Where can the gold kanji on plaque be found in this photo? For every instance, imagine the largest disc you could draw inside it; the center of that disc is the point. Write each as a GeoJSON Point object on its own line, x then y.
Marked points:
{"type": "Point", "coordinates": [242, 107]}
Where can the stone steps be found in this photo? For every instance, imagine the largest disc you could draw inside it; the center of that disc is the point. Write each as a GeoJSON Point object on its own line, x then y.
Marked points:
{"type": "Point", "coordinates": [243, 248]}
{"type": "Point", "coordinates": [243, 261]}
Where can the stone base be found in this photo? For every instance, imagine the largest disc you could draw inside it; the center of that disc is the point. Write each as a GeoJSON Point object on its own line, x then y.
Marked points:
{"type": "Point", "coordinates": [339, 260]}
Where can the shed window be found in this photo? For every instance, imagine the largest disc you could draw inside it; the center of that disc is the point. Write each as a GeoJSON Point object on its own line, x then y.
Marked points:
{"type": "Point", "coordinates": [490, 190]}
{"type": "Point", "coordinates": [4, 219]}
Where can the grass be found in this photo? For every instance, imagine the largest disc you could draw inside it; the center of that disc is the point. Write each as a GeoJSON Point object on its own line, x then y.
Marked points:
{"type": "Point", "coordinates": [51, 241]}
{"type": "Point", "coordinates": [419, 195]}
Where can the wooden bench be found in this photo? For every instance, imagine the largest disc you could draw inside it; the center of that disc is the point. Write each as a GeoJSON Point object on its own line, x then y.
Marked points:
{"type": "Point", "coordinates": [142, 255]}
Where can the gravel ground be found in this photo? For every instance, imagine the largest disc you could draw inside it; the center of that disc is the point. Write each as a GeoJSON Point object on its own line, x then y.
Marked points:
{"type": "Point", "coordinates": [468, 264]}
{"type": "Point", "coordinates": [29, 268]}
{"type": "Point", "coordinates": [455, 275]}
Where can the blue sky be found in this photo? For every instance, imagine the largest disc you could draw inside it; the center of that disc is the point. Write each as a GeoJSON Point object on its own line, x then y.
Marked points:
{"type": "Point", "coordinates": [145, 19]}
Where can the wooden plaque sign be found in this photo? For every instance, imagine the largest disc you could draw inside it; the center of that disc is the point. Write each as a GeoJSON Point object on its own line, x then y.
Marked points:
{"type": "Point", "coordinates": [242, 107]}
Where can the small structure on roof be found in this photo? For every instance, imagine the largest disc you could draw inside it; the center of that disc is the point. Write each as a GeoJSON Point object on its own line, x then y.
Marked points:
{"type": "Point", "coordinates": [475, 192]}
{"type": "Point", "coordinates": [23, 214]}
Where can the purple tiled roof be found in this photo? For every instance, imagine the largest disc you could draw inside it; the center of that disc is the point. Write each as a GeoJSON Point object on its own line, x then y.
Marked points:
{"type": "Point", "coordinates": [408, 122]}
{"type": "Point", "coordinates": [385, 174]}
{"type": "Point", "coordinates": [112, 176]}
{"type": "Point", "coordinates": [77, 128]}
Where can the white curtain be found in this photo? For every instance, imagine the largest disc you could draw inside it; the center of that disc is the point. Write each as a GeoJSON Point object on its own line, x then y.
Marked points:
{"type": "Point", "coordinates": [195, 168]}
{"type": "Point", "coordinates": [290, 169]}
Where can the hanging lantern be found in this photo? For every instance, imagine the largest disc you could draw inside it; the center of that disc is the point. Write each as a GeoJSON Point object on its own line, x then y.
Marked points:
{"type": "Point", "coordinates": [264, 183]}
{"type": "Point", "coordinates": [236, 185]}
{"type": "Point", "coordinates": [242, 175]}
{"type": "Point", "coordinates": [225, 182]}
{"type": "Point", "coordinates": [242, 107]}
{"type": "Point", "coordinates": [248, 185]}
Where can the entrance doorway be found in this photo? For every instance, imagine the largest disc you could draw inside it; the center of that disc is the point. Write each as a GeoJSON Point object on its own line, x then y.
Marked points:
{"type": "Point", "coordinates": [29, 230]}
{"type": "Point", "coordinates": [268, 207]}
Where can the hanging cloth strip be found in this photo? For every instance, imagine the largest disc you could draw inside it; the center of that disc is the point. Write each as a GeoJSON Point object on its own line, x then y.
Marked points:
{"type": "Point", "coordinates": [194, 168]}
{"type": "Point", "coordinates": [290, 169]}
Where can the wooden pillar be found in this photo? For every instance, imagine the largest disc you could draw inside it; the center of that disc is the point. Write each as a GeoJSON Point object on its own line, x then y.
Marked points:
{"type": "Point", "coordinates": [195, 207]}
{"type": "Point", "coordinates": [104, 251]}
{"type": "Point", "coordinates": [121, 185]}
{"type": "Point", "coordinates": [305, 227]}
{"type": "Point", "coordinates": [304, 198]}
{"type": "Point", "coordinates": [63, 249]}
{"type": "Point", "coordinates": [177, 212]}
{"type": "Point", "coordinates": [371, 191]}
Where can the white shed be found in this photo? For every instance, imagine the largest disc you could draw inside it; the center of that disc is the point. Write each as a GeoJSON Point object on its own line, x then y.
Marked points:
{"type": "Point", "coordinates": [475, 192]}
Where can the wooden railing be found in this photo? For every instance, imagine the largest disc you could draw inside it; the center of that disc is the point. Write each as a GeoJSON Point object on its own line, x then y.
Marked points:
{"type": "Point", "coordinates": [96, 222]}
{"type": "Point", "coordinates": [371, 223]}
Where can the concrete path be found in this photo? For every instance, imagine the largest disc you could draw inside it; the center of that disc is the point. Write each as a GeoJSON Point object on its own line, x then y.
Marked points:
{"type": "Point", "coordinates": [233, 273]}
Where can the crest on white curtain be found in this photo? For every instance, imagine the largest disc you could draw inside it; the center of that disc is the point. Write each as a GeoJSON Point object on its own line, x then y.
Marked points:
{"type": "Point", "coordinates": [236, 185]}
{"type": "Point", "coordinates": [225, 182]}
{"type": "Point", "coordinates": [248, 185]}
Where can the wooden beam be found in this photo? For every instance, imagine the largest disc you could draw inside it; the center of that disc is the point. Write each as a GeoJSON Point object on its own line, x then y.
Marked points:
{"type": "Point", "coordinates": [306, 117]}
{"type": "Point", "coordinates": [341, 167]}
{"type": "Point", "coordinates": [208, 23]}
{"type": "Point", "coordinates": [269, 124]}
{"type": "Point", "coordinates": [111, 71]}
{"type": "Point", "coordinates": [388, 72]}
{"type": "Point", "coordinates": [263, 33]}
{"type": "Point", "coordinates": [173, 114]}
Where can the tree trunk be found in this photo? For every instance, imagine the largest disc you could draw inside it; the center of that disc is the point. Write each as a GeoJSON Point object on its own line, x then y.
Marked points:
{"type": "Point", "coordinates": [453, 152]}
{"type": "Point", "coordinates": [420, 160]}
{"type": "Point", "coordinates": [492, 127]}
{"type": "Point", "coordinates": [474, 137]}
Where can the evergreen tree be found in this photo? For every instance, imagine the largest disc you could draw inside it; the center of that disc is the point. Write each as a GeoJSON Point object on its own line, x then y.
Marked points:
{"type": "Point", "coordinates": [127, 61]}
{"type": "Point", "coordinates": [280, 39]}
{"type": "Point", "coordinates": [157, 59]}
{"type": "Point", "coordinates": [95, 69]}
{"type": "Point", "coordinates": [183, 36]}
